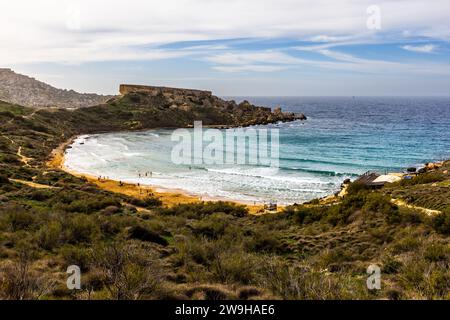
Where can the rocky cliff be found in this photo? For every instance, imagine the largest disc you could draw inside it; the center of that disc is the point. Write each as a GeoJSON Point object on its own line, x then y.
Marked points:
{"type": "Point", "coordinates": [167, 91]}
{"type": "Point", "coordinates": [190, 105]}
{"type": "Point", "coordinates": [26, 91]}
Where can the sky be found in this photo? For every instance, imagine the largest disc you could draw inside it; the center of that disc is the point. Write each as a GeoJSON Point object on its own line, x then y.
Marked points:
{"type": "Point", "coordinates": [234, 48]}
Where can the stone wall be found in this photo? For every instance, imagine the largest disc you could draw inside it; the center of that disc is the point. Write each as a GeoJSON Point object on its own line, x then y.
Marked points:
{"type": "Point", "coordinates": [152, 90]}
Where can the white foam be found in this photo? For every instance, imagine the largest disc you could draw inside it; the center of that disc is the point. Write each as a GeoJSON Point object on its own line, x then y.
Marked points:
{"type": "Point", "coordinates": [103, 155]}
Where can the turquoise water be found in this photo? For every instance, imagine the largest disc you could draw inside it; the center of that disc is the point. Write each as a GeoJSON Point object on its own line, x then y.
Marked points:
{"type": "Point", "coordinates": [342, 138]}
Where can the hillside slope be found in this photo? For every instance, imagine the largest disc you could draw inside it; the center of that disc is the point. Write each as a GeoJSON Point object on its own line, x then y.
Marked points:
{"type": "Point", "coordinates": [130, 248]}
{"type": "Point", "coordinates": [23, 90]}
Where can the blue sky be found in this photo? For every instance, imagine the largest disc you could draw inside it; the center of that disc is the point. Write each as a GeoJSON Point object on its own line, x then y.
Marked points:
{"type": "Point", "coordinates": [284, 47]}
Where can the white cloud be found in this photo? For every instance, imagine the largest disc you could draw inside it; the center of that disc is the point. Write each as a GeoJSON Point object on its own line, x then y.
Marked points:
{"type": "Point", "coordinates": [249, 68]}
{"type": "Point", "coordinates": [428, 48]}
{"type": "Point", "coordinates": [348, 62]}
{"type": "Point", "coordinates": [259, 61]}
{"type": "Point", "coordinates": [77, 31]}
{"type": "Point", "coordinates": [270, 61]}
{"type": "Point", "coordinates": [245, 58]}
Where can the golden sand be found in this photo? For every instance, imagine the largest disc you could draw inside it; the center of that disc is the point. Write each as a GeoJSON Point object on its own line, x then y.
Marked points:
{"type": "Point", "coordinates": [168, 197]}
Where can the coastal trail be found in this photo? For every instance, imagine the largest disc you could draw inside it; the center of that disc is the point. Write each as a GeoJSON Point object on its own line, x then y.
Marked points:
{"type": "Point", "coordinates": [25, 160]}
{"type": "Point", "coordinates": [402, 203]}
{"type": "Point", "coordinates": [33, 184]}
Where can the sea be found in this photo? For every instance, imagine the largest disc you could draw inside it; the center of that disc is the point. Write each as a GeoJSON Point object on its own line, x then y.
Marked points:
{"type": "Point", "coordinates": [342, 138]}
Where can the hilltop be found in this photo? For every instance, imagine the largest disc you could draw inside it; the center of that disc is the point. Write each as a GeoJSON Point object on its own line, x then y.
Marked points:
{"type": "Point", "coordinates": [23, 90]}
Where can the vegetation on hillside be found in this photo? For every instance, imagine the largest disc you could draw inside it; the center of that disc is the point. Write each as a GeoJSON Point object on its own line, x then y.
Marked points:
{"type": "Point", "coordinates": [135, 249]}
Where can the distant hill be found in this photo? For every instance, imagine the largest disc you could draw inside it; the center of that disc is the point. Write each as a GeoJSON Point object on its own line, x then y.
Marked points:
{"type": "Point", "coordinates": [23, 90]}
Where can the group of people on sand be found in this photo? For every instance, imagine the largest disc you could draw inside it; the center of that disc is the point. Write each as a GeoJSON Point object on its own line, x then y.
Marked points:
{"type": "Point", "coordinates": [121, 183]}
{"type": "Point", "coordinates": [146, 174]}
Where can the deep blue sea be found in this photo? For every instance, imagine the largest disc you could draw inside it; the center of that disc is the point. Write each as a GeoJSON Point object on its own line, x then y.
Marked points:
{"type": "Point", "coordinates": [342, 138]}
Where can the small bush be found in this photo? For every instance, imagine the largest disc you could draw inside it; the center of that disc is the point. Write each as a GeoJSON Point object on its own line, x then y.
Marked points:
{"type": "Point", "coordinates": [81, 229]}
{"type": "Point", "coordinates": [75, 255]}
{"type": "Point", "coordinates": [144, 234]}
{"type": "Point", "coordinates": [152, 202]}
{"type": "Point", "coordinates": [4, 179]}
{"type": "Point", "coordinates": [212, 226]}
{"type": "Point", "coordinates": [110, 210]}
{"type": "Point", "coordinates": [18, 218]}
{"type": "Point", "coordinates": [391, 265]}
{"type": "Point", "coordinates": [437, 252]}
{"type": "Point", "coordinates": [305, 215]}
{"type": "Point", "coordinates": [409, 243]}
{"type": "Point", "coordinates": [441, 222]}
{"type": "Point", "coordinates": [200, 210]}
{"type": "Point", "coordinates": [423, 179]}
{"type": "Point", "coordinates": [234, 267]}
{"type": "Point", "coordinates": [356, 187]}
{"type": "Point", "coordinates": [264, 241]}
{"type": "Point", "coordinates": [48, 237]}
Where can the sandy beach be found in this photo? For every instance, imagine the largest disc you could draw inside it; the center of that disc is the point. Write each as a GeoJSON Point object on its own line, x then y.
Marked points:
{"type": "Point", "coordinates": [169, 197]}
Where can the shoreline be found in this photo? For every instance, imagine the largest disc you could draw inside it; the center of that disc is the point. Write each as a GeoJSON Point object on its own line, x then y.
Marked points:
{"type": "Point", "coordinates": [169, 197]}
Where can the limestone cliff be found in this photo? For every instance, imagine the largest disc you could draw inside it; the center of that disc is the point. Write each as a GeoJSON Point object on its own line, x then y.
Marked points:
{"type": "Point", "coordinates": [190, 105]}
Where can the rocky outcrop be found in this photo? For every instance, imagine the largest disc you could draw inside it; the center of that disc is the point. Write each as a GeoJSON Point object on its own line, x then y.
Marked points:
{"type": "Point", "coordinates": [187, 104]}
{"type": "Point", "coordinates": [166, 91]}
{"type": "Point", "coordinates": [26, 91]}
{"type": "Point", "coordinates": [190, 105]}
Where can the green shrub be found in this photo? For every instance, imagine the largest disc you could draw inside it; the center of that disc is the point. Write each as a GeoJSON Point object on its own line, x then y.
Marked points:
{"type": "Point", "coordinates": [76, 255]}
{"type": "Point", "coordinates": [145, 234]}
{"type": "Point", "coordinates": [49, 235]}
{"type": "Point", "coordinates": [200, 210]}
{"type": "Point", "coordinates": [295, 283]}
{"type": "Point", "coordinates": [4, 179]}
{"type": "Point", "coordinates": [356, 187]}
{"type": "Point", "coordinates": [376, 202]}
{"type": "Point", "coordinates": [152, 202]}
{"type": "Point", "coordinates": [9, 158]}
{"type": "Point", "coordinates": [110, 210]}
{"type": "Point", "coordinates": [212, 226]}
{"type": "Point", "coordinates": [40, 195]}
{"type": "Point", "coordinates": [437, 252]}
{"type": "Point", "coordinates": [441, 222]}
{"type": "Point", "coordinates": [305, 215]}
{"type": "Point", "coordinates": [409, 243]}
{"type": "Point", "coordinates": [235, 267]}
{"type": "Point", "coordinates": [18, 218]}
{"type": "Point", "coordinates": [264, 241]}
{"type": "Point", "coordinates": [423, 179]}
{"type": "Point", "coordinates": [391, 265]}
{"type": "Point", "coordinates": [81, 229]}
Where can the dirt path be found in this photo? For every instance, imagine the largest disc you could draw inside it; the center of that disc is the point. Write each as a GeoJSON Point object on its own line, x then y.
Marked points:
{"type": "Point", "coordinates": [31, 114]}
{"type": "Point", "coordinates": [402, 203]}
{"type": "Point", "coordinates": [33, 184]}
{"type": "Point", "coordinates": [25, 160]}
{"type": "Point", "coordinates": [11, 140]}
